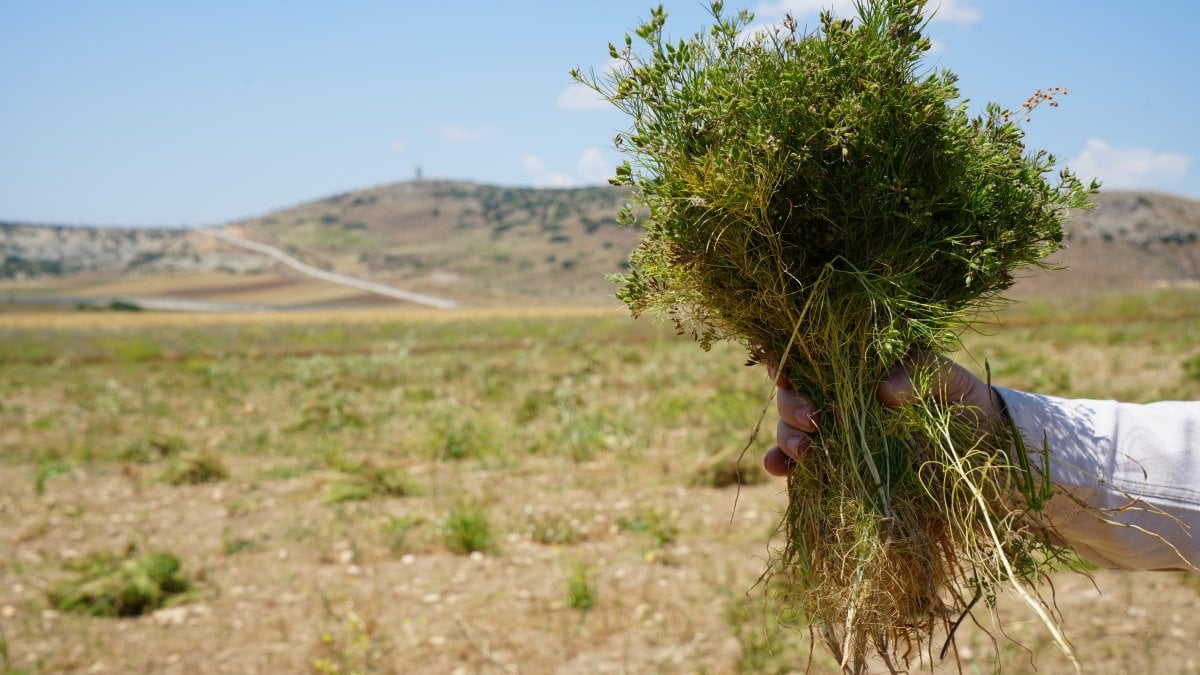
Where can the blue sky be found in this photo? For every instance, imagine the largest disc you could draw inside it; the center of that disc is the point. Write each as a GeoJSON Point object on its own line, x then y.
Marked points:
{"type": "Point", "coordinates": [173, 113]}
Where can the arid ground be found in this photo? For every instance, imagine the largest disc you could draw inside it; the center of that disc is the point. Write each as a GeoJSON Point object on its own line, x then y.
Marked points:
{"type": "Point", "coordinates": [505, 492]}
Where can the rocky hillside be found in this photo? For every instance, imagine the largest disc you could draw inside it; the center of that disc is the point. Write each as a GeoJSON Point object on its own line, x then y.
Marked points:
{"type": "Point", "coordinates": [486, 244]}
{"type": "Point", "coordinates": [1129, 239]}
{"type": "Point", "coordinates": [32, 251]}
{"type": "Point", "coordinates": [461, 239]}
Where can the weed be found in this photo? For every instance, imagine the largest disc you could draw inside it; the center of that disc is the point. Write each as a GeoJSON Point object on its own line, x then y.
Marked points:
{"type": "Point", "coordinates": [659, 524]}
{"type": "Point", "coordinates": [360, 481]}
{"type": "Point", "coordinates": [825, 200]}
{"type": "Point", "coordinates": [396, 530]}
{"type": "Point", "coordinates": [348, 491]}
{"type": "Point", "coordinates": [581, 590]}
{"type": "Point", "coordinates": [145, 450]}
{"type": "Point", "coordinates": [5, 657]}
{"type": "Point", "coordinates": [768, 630]}
{"type": "Point", "coordinates": [328, 409]}
{"type": "Point", "coordinates": [47, 470]}
{"type": "Point", "coordinates": [582, 435]}
{"type": "Point", "coordinates": [466, 529]}
{"type": "Point", "coordinates": [531, 407]}
{"type": "Point", "coordinates": [103, 584]}
{"type": "Point", "coordinates": [553, 527]}
{"type": "Point", "coordinates": [458, 437]}
{"type": "Point", "coordinates": [299, 533]}
{"type": "Point", "coordinates": [132, 348]}
{"type": "Point", "coordinates": [196, 468]}
{"type": "Point", "coordinates": [287, 471]}
{"type": "Point", "coordinates": [352, 650]}
{"type": "Point", "coordinates": [1191, 368]}
{"type": "Point", "coordinates": [730, 468]}
{"type": "Point", "coordinates": [232, 545]}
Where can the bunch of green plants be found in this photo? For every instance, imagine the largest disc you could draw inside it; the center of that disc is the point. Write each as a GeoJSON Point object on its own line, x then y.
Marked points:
{"type": "Point", "coordinates": [103, 584]}
{"type": "Point", "coordinates": [830, 203]}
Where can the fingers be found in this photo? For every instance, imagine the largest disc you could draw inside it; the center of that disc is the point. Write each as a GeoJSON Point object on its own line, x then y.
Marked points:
{"type": "Point", "coordinates": [797, 410]}
{"type": "Point", "coordinates": [791, 441]}
{"type": "Point", "coordinates": [797, 419]}
{"type": "Point", "coordinates": [896, 388]}
{"type": "Point", "coordinates": [777, 463]}
{"type": "Point", "coordinates": [950, 383]}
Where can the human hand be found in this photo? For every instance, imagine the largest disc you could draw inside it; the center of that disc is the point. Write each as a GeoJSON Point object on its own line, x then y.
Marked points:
{"type": "Point", "coordinates": [799, 417]}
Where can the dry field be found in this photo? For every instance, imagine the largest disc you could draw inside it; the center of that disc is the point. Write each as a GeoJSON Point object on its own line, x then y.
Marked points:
{"type": "Point", "coordinates": [510, 492]}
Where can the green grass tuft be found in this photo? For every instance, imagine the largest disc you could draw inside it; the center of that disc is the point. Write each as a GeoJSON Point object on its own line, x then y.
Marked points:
{"type": "Point", "coordinates": [581, 589]}
{"type": "Point", "coordinates": [196, 468]}
{"type": "Point", "coordinates": [113, 586]}
{"type": "Point", "coordinates": [466, 529]}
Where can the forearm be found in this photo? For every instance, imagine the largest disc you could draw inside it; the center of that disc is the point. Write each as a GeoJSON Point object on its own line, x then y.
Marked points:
{"type": "Point", "coordinates": [1136, 466]}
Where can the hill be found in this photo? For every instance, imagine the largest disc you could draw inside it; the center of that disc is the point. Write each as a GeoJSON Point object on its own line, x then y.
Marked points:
{"type": "Point", "coordinates": [487, 245]}
{"type": "Point", "coordinates": [479, 243]}
{"type": "Point", "coordinates": [1131, 239]}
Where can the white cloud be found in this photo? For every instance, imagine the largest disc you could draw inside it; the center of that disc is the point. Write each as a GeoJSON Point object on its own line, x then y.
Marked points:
{"type": "Point", "coordinates": [956, 12]}
{"type": "Point", "coordinates": [800, 8]}
{"type": "Point", "coordinates": [593, 167]}
{"type": "Point", "coordinates": [959, 12]}
{"type": "Point", "coordinates": [1130, 167]}
{"type": "Point", "coordinates": [460, 134]}
{"type": "Point", "coordinates": [399, 145]}
{"type": "Point", "coordinates": [580, 97]}
{"type": "Point", "coordinates": [544, 176]}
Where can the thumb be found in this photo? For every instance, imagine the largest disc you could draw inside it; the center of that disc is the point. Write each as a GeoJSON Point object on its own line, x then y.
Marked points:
{"type": "Point", "coordinates": [949, 382]}
{"type": "Point", "coordinates": [896, 387]}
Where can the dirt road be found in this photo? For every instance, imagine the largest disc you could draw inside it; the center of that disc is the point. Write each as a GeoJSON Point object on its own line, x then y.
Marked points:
{"type": "Point", "coordinates": [334, 277]}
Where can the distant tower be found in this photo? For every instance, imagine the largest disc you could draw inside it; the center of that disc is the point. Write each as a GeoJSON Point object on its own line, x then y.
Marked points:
{"type": "Point", "coordinates": [418, 174]}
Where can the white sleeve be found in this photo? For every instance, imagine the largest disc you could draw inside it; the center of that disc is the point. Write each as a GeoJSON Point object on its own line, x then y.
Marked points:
{"type": "Point", "coordinates": [1138, 464]}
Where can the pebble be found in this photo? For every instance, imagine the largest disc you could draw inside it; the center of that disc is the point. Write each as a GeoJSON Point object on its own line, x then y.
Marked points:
{"type": "Point", "coordinates": [408, 559]}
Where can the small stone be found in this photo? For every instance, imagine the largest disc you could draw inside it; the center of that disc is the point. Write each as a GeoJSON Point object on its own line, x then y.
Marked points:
{"type": "Point", "coordinates": [431, 598]}
{"type": "Point", "coordinates": [8, 611]}
{"type": "Point", "coordinates": [408, 559]}
{"type": "Point", "coordinates": [171, 616]}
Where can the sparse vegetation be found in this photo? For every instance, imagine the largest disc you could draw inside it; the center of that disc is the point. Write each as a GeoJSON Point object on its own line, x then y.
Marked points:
{"type": "Point", "coordinates": [272, 548]}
